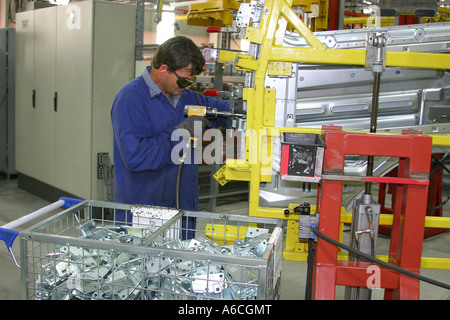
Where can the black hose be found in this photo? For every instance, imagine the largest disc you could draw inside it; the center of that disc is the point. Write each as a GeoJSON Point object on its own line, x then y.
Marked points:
{"type": "Point", "coordinates": [177, 191]}
{"type": "Point", "coordinates": [310, 266]}
{"type": "Point", "coordinates": [380, 262]}
{"type": "Point", "coordinates": [439, 206]}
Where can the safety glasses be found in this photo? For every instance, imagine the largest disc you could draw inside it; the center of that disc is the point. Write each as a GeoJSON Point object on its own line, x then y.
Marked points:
{"type": "Point", "coordinates": [182, 82]}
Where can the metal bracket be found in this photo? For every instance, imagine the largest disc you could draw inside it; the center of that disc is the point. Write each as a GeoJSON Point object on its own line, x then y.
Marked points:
{"type": "Point", "coordinates": [306, 223]}
{"type": "Point", "coordinates": [249, 13]}
{"type": "Point", "coordinates": [376, 51]}
{"type": "Point", "coordinates": [280, 69]}
{"type": "Point", "coordinates": [220, 176]}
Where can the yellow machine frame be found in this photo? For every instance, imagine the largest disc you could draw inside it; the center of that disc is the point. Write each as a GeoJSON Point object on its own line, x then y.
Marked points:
{"type": "Point", "coordinates": [256, 167]}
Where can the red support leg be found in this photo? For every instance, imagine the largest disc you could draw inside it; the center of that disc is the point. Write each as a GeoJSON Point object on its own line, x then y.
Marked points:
{"type": "Point", "coordinates": [324, 287]}
{"type": "Point", "coordinates": [411, 240]}
{"type": "Point", "coordinates": [324, 283]}
{"type": "Point", "coordinates": [333, 20]}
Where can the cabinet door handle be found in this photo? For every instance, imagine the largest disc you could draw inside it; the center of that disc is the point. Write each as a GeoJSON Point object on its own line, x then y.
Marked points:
{"type": "Point", "coordinates": [33, 98]}
{"type": "Point", "coordinates": [55, 101]}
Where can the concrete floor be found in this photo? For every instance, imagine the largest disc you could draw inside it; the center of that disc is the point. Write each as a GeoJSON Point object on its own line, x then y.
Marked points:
{"type": "Point", "coordinates": [15, 202]}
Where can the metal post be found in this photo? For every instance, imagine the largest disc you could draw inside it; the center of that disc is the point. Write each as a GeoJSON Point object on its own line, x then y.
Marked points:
{"type": "Point", "coordinates": [375, 53]}
{"type": "Point", "coordinates": [363, 236]}
{"type": "Point", "coordinates": [373, 125]}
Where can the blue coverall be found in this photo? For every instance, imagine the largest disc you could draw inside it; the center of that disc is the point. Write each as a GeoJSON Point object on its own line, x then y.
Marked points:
{"type": "Point", "coordinates": [143, 119]}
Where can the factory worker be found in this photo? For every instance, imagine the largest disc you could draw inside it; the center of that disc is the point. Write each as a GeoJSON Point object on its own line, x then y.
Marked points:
{"type": "Point", "coordinates": [145, 114]}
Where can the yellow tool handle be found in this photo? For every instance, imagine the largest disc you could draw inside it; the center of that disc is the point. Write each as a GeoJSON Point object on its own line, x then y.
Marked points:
{"type": "Point", "coordinates": [196, 111]}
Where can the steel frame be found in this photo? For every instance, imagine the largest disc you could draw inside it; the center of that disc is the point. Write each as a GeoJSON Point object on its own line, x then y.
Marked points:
{"type": "Point", "coordinates": [266, 38]}
{"type": "Point", "coordinates": [261, 101]}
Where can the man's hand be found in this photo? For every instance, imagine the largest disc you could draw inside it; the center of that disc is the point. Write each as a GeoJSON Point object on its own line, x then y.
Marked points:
{"type": "Point", "coordinates": [192, 122]}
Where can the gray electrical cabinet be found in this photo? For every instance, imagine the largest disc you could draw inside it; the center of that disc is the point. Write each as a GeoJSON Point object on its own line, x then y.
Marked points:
{"type": "Point", "coordinates": [70, 62]}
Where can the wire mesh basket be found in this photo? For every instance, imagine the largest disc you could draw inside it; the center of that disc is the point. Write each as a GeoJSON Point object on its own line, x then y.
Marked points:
{"type": "Point", "coordinates": [90, 251]}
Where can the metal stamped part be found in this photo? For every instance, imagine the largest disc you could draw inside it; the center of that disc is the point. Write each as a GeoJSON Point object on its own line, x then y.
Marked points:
{"type": "Point", "coordinates": [82, 273]}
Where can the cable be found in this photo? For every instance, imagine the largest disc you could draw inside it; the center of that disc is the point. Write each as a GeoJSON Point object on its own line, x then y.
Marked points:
{"type": "Point", "coordinates": [177, 188]}
{"type": "Point", "coordinates": [380, 262]}
{"type": "Point", "coordinates": [180, 168]}
{"type": "Point", "coordinates": [439, 206]}
{"type": "Point", "coordinates": [439, 163]}
{"type": "Point", "coordinates": [309, 272]}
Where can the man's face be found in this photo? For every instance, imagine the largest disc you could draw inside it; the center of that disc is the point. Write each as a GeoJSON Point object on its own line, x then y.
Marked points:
{"type": "Point", "coordinates": [170, 86]}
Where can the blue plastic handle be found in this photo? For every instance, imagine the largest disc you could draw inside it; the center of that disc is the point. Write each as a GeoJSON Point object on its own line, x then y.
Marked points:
{"type": "Point", "coordinates": [8, 236]}
{"type": "Point", "coordinates": [70, 202]}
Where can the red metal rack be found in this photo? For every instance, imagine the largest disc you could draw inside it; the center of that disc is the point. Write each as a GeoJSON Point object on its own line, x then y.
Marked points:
{"type": "Point", "coordinates": [411, 190]}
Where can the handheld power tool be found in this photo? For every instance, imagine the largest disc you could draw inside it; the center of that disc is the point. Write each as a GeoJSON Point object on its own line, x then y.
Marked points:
{"type": "Point", "coordinates": [208, 112]}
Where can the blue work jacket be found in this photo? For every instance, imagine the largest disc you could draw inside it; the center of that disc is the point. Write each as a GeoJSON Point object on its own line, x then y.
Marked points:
{"type": "Point", "coordinates": [143, 120]}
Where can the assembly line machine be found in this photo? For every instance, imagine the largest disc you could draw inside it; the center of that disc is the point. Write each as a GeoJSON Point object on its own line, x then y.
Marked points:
{"type": "Point", "coordinates": [330, 116]}
{"type": "Point", "coordinates": [336, 121]}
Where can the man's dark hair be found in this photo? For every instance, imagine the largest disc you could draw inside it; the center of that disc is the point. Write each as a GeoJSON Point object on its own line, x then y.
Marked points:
{"type": "Point", "coordinates": [177, 53]}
